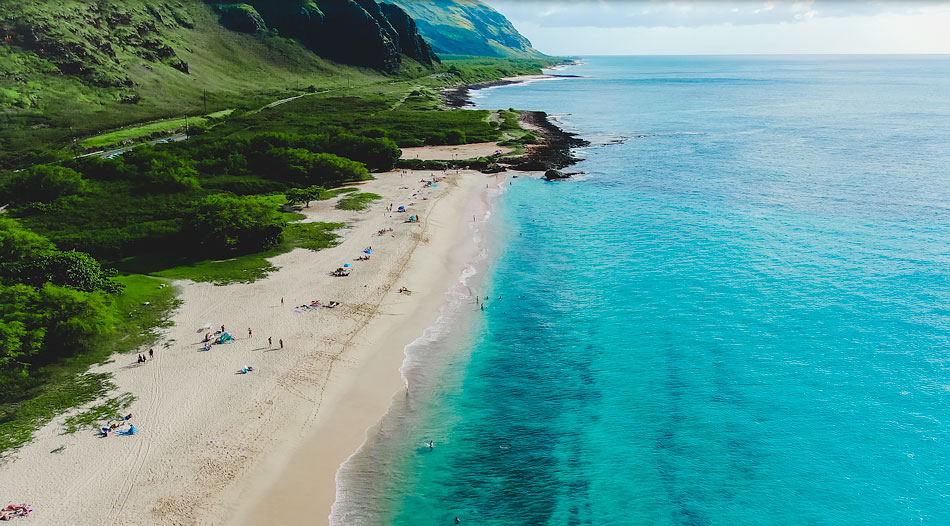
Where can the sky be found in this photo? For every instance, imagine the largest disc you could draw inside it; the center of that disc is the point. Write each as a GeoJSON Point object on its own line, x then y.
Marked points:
{"type": "Point", "coordinates": [648, 27]}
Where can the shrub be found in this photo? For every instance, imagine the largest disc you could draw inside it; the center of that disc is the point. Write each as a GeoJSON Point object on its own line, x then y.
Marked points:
{"type": "Point", "coordinates": [226, 222]}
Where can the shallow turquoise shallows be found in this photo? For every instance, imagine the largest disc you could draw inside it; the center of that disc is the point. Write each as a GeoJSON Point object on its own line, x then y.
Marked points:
{"type": "Point", "coordinates": [738, 316]}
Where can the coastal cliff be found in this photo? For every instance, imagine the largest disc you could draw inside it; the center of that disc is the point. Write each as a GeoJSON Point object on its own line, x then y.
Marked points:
{"type": "Point", "coordinates": [467, 27]}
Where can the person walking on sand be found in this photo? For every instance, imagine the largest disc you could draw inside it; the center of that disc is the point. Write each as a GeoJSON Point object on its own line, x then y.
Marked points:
{"type": "Point", "coordinates": [249, 332]}
{"type": "Point", "coordinates": [151, 354]}
{"type": "Point", "coordinates": [222, 328]}
{"type": "Point", "coordinates": [270, 341]}
{"type": "Point", "coordinates": [281, 341]}
{"type": "Point", "coordinates": [281, 302]}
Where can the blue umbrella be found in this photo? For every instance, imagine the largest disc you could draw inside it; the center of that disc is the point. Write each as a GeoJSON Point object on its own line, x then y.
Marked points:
{"type": "Point", "coordinates": [368, 251]}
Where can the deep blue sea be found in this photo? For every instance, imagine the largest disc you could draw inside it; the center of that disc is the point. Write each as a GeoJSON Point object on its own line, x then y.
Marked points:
{"type": "Point", "coordinates": [739, 314]}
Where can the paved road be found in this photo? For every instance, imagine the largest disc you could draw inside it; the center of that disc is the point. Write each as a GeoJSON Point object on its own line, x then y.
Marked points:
{"type": "Point", "coordinates": [108, 154]}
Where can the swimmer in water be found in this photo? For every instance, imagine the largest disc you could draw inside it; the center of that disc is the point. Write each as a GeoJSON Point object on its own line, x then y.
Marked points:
{"type": "Point", "coordinates": [431, 444]}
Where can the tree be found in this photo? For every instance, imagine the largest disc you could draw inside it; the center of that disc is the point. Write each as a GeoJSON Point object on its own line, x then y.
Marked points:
{"type": "Point", "coordinates": [17, 243]}
{"type": "Point", "coordinates": [70, 269]}
{"type": "Point", "coordinates": [42, 324]}
{"type": "Point", "coordinates": [31, 259]}
{"type": "Point", "coordinates": [245, 224]}
{"type": "Point", "coordinates": [454, 136]}
{"type": "Point", "coordinates": [160, 171]}
{"type": "Point", "coordinates": [304, 195]}
{"type": "Point", "coordinates": [43, 183]}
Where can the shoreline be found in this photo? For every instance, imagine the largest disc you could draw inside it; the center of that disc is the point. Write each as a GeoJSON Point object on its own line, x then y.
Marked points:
{"type": "Point", "coordinates": [213, 444]}
{"type": "Point", "coordinates": [461, 96]}
{"type": "Point", "coordinates": [305, 487]}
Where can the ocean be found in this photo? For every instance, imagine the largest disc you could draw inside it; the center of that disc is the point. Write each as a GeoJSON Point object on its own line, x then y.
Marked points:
{"type": "Point", "coordinates": [737, 314]}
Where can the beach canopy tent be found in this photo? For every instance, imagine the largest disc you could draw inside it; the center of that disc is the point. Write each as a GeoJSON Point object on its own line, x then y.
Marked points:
{"type": "Point", "coordinates": [225, 338]}
{"type": "Point", "coordinates": [368, 251]}
{"type": "Point", "coordinates": [346, 265]}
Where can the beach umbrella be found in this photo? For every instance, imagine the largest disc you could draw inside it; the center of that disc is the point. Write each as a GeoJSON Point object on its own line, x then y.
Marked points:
{"type": "Point", "coordinates": [368, 251]}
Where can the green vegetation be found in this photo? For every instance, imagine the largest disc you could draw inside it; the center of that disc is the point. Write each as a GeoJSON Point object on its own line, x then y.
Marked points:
{"type": "Point", "coordinates": [358, 201]}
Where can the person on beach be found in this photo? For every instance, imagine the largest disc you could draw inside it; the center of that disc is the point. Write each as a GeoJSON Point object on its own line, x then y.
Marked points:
{"type": "Point", "coordinates": [281, 302]}
{"type": "Point", "coordinates": [222, 328]}
{"type": "Point", "coordinates": [151, 354]}
{"type": "Point", "coordinates": [270, 340]}
{"type": "Point", "coordinates": [249, 332]}
{"type": "Point", "coordinates": [281, 341]}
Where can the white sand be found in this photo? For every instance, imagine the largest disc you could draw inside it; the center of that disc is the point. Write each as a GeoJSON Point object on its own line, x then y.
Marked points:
{"type": "Point", "coordinates": [219, 447]}
{"type": "Point", "coordinates": [459, 152]}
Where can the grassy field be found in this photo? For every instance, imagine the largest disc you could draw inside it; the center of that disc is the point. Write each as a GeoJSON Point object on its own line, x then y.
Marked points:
{"type": "Point", "coordinates": [145, 130]}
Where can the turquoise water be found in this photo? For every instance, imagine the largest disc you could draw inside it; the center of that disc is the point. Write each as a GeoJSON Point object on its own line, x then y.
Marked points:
{"type": "Point", "coordinates": [738, 315]}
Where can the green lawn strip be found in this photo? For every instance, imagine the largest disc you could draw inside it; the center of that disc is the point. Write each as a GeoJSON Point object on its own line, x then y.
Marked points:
{"type": "Point", "coordinates": [136, 132]}
{"type": "Point", "coordinates": [219, 114]}
{"type": "Point", "coordinates": [66, 384]}
{"type": "Point", "coordinates": [357, 201]}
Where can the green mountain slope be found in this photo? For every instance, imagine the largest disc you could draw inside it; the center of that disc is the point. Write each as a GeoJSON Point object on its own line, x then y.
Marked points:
{"type": "Point", "coordinates": [72, 68]}
{"type": "Point", "coordinates": [467, 27]}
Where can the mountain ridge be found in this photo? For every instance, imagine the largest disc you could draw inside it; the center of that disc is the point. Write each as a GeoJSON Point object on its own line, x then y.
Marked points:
{"type": "Point", "coordinates": [468, 27]}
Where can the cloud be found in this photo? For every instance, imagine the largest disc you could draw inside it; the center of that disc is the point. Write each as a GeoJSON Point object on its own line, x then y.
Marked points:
{"type": "Point", "coordinates": [662, 13]}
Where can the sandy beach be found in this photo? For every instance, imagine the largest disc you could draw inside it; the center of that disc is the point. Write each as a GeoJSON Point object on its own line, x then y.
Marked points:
{"type": "Point", "coordinates": [453, 152]}
{"type": "Point", "coordinates": [219, 447]}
